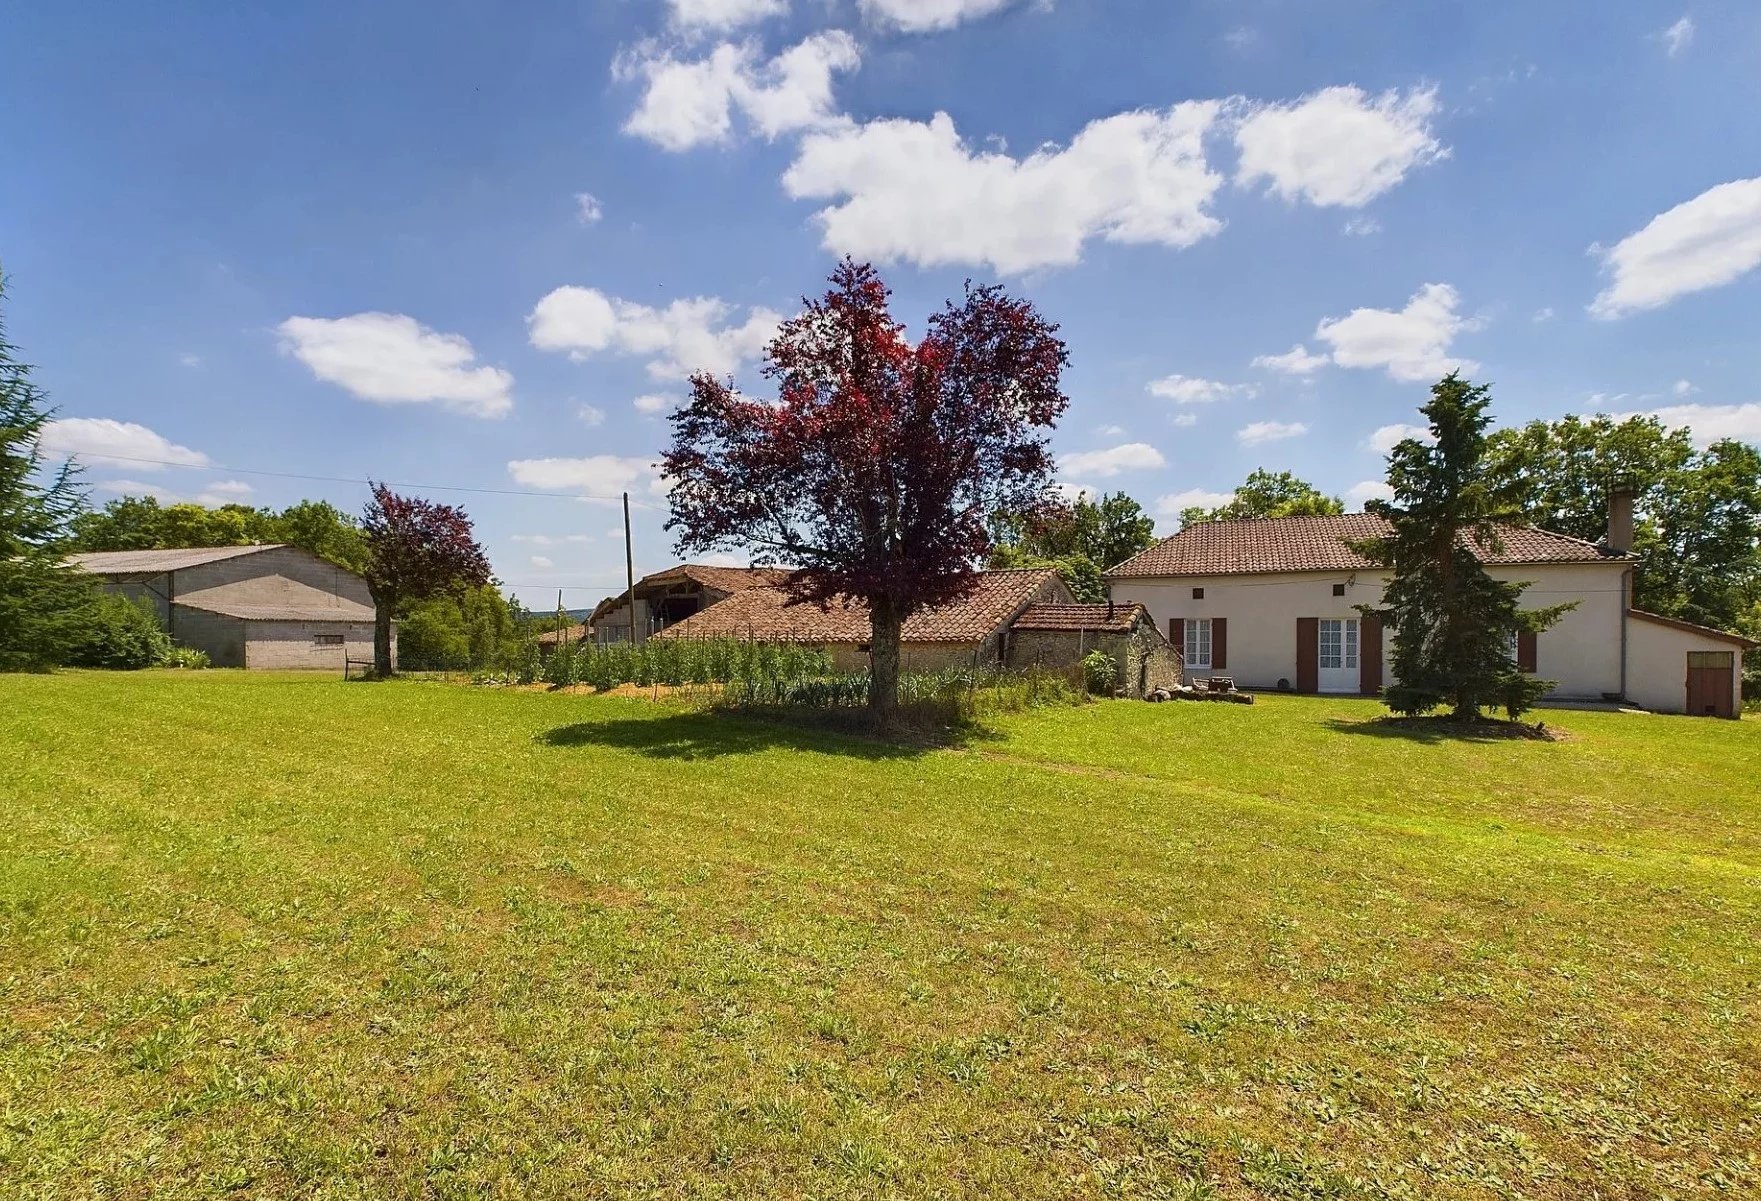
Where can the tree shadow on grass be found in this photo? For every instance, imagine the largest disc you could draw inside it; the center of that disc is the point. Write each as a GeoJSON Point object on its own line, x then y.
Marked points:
{"type": "Point", "coordinates": [703, 735]}
{"type": "Point", "coordinates": [1444, 729]}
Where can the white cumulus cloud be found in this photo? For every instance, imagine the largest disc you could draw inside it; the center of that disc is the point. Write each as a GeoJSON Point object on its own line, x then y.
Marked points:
{"type": "Point", "coordinates": [1339, 146]}
{"type": "Point", "coordinates": [1411, 343]}
{"type": "Point", "coordinates": [1367, 490]}
{"type": "Point", "coordinates": [915, 191]}
{"type": "Point", "coordinates": [210, 496]}
{"type": "Point", "coordinates": [1131, 456]}
{"type": "Point", "coordinates": [1175, 503]}
{"type": "Point", "coordinates": [721, 15]}
{"type": "Point", "coordinates": [595, 476]}
{"type": "Point", "coordinates": [1190, 390]}
{"type": "Point", "coordinates": [389, 358]}
{"type": "Point", "coordinates": [1700, 243]}
{"type": "Point", "coordinates": [1386, 437]}
{"type": "Point", "coordinates": [1708, 423]}
{"type": "Point", "coordinates": [590, 415]}
{"type": "Point", "coordinates": [695, 334]}
{"type": "Point", "coordinates": [927, 16]}
{"type": "Point", "coordinates": [655, 403]}
{"type": "Point", "coordinates": [1269, 431]}
{"type": "Point", "coordinates": [688, 103]}
{"type": "Point", "coordinates": [541, 562]}
{"type": "Point", "coordinates": [587, 208]}
{"type": "Point", "coordinates": [1295, 361]}
{"type": "Point", "coordinates": [101, 440]}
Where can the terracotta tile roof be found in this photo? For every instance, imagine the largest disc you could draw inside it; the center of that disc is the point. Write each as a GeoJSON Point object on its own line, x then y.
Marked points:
{"type": "Point", "coordinates": [1691, 628]}
{"type": "Point", "coordinates": [131, 562]}
{"type": "Point", "coordinates": [1269, 544]}
{"type": "Point", "coordinates": [763, 614]}
{"type": "Point", "coordinates": [572, 633]}
{"type": "Point", "coordinates": [1109, 619]}
{"type": "Point", "coordinates": [347, 611]}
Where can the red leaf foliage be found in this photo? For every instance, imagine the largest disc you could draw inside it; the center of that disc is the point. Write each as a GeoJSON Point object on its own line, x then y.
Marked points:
{"type": "Point", "coordinates": [418, 548]}
{"type": "Point", "coordinates": [876, 468]}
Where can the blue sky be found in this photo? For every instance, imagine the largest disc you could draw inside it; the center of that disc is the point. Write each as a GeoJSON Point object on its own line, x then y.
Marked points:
{"type": "Point", "coordinates": [476, 244]}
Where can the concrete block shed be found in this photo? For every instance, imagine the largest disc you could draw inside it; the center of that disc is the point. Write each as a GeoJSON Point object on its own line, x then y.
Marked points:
{"type": "Point", "coordinates": [260, 607]}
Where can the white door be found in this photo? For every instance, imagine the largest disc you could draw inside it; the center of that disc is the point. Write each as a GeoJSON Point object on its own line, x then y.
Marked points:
{"type": "Point", "coordinates": [1338, 655]}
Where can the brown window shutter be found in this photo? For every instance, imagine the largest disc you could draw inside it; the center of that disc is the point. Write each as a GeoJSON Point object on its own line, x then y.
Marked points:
{"type": "Point", "coordinates": [1526, 652]}
{"type": "Point", "coordinates": [1177, 635]}
{"type": "Point", "coordinates": [1308, 654]}
{"type": "Point", "coordinates": [1369, 655]}
{"type": "Point", "coordinates": [1219, 643]}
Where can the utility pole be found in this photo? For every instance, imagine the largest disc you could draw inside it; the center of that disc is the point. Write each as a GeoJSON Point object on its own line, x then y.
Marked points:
{"type": "Point", "coordinates": [629, 569]}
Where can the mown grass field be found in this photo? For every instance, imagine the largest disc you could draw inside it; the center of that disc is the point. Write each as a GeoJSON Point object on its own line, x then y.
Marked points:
{"type": "Point", "coordinates": [289, 937]}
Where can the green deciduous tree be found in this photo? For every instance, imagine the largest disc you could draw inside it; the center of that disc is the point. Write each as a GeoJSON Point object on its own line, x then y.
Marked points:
{"type": "Point", "coordinates": [1078, 540]}
{"type": "Point", "coordinates": [1269, 494]}
{"type": "Point", "coordinates": [1454, 625]}
{"type": "Point", "coordinates": [1697, 513]}
{"type": "Point", "coordinates": [142, 523]}
{"type": "Point", "coordinates": [43, 603]}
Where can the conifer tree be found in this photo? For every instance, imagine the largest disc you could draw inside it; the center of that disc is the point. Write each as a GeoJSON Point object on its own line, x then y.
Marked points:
{"type": "Point", "coordinates": [43, 602]}
{"type": "Point", "coordinates": [1455, 627]}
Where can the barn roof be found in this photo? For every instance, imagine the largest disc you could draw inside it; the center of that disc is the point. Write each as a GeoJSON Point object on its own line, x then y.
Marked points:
{"type": "Point", "coordinates": [1277, 544]}
{"type": "Point", "coordinates": [764, 614]}
{"type": "Point", "coordinates": [138, 562]}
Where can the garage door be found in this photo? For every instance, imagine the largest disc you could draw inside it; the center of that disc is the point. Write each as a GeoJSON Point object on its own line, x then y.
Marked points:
{"type": "Point", "coordinates": [1711, 683]}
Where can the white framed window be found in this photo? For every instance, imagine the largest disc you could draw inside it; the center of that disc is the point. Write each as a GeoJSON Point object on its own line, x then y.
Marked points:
{"type": "Point", "coordinates": [1198, 642]}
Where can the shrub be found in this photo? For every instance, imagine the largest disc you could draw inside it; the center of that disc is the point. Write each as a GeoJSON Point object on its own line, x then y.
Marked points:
{"type": "Point", "coordinates": [122, 635]}
{"type": "Point", "coordinates": [187, 657]}
{"type": "Point", "coordinates": [1100, 671]}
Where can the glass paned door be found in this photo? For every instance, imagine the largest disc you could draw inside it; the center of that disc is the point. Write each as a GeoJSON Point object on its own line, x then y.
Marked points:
{"type": "Point", "coordinates": [1338, 654]}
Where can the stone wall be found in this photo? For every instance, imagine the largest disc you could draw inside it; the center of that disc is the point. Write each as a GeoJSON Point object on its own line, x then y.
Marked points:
{"type": "Point", "coordinates": [1144, 659]}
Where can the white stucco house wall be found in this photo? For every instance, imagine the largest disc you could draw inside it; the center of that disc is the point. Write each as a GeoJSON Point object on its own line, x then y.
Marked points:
{"type": "Point", "coordinates": [1274, 604]}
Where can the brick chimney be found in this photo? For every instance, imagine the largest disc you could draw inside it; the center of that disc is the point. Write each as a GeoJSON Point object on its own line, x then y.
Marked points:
{"type": "Point", "coordinates": [1621, 495]}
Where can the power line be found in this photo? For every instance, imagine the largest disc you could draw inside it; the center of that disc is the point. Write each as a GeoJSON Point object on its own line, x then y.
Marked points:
{"type": "Point", "coordinates": [338, 479]}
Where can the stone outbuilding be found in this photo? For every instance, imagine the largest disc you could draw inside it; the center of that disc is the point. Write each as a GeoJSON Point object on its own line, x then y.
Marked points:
{"type": "Point", "coordinates": [1057, 635]}
{"type": "Point", "coordinates": [264, 607]}
{"type": "Point", "coordinates": [969, 632]}
{"type": "Point", "coordinates": [1013, 619]}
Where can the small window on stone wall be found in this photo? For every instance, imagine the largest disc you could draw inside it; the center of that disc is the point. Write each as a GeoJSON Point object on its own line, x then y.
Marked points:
{"type": "Point", "coordinates": [1339, 590]}
{"type": "Point", "coordinates": [327, 640]}
{"type": "Point", "coordinates": [1198, 594]}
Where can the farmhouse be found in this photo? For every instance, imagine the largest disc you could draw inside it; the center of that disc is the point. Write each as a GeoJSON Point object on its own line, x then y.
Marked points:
{"type": "Point", "coordinates": [248, 606]}
{"type": "Point", "coordinates": [1018, 618]}
{"type": "Point", "coordinates": [666, 598]}
{"type": "Point", "coordinates": [1274, 603]}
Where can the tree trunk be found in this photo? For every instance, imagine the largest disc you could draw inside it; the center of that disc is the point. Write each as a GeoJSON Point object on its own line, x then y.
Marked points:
{"type": "Point", "coordinates": [381, 639]}
{"type": "Point", "coordinates": [883, 656]}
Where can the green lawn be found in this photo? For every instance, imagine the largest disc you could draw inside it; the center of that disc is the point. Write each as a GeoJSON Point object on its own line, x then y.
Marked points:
{"type": "Point", "coordinates": [294, 937]}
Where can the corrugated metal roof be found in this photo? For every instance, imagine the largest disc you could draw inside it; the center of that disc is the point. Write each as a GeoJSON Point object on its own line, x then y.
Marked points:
{"type": "Point", "coordinates": [136, 562]}
{"type": "Point", "coordinates": [347, 611]}
{"type": "Point", "coordinates": [1277, 544]}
